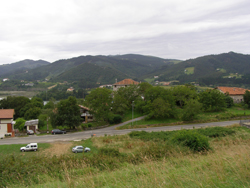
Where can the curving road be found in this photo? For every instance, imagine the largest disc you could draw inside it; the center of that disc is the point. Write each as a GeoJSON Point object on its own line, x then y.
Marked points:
{"type": "Point", "coordinates": [101, 132]}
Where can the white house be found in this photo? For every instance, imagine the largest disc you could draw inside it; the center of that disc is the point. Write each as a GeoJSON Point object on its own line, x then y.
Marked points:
{"type": "Point", "coordinates": [6, 122]}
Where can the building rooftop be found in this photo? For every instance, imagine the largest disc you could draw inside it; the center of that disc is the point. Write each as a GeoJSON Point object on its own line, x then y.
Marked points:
{"type": "Point", "coordinates": [6, 113]}
{"type": "Point", "coordinates": [127, 82]}
{"type": "Point", "coordinates": [232, 90]}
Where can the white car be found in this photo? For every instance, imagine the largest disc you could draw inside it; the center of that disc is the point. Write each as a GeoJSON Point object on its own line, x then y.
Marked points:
{"type": "Point", "coordinates": [79, 149]}
{"type": "Point", "coordinates": [30, 132]}
{"type": "Point", "coordinates": [29, 147]}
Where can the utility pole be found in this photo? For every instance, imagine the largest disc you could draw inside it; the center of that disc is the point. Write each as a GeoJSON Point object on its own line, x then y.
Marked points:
{"type": "Point", "coordinates": [132, 111]}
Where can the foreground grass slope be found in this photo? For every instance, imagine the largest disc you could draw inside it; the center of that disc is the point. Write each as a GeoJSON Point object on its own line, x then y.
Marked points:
{"type": "Point", "coordinates": [136, 160]}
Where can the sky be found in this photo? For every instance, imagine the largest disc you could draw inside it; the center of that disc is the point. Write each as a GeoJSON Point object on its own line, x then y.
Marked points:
{"type": "Point", "coordinates": [172, 29]}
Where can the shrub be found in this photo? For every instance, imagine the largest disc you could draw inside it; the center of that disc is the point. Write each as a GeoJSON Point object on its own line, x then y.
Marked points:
{"type": "Point", "coordinates": [110, 152]}
{"type": "Point", "coordinates": [41, 123]}
{"type": "Point", "coordinates": [114, 119]}
{"type": "Point", "coordinates": [216, 131]}
{"type": "Point", "coordinates": [226, 115]}
{"type": "Point", "coordinates": [191, 139]}
{"type": "Point", "coordinates": [60, 127]}
{"type": "Point", "coordinates": [117, 119]}
{"type": "Point", "coordinates": [89, 124]}
{"type": "Point", "coordinates": [83, 125]}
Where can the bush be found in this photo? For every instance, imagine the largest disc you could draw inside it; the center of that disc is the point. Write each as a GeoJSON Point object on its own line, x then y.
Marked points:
{"type": "Point", "coordinates": [117, 119]}
{"type": "Point", "coordinates": [225, 115]}
{"type": "Point", "coordinates": [89, 124]}
{"type": "Point", "coordinates": [60, 127]}
{"type": "Point", "coordinates": [191, 139]}
{"type": "Point", "coordinates": [216, 131]}
{"type": "Point", "coordinates": [83, 125]}
{"type": "Point", "coordinates": [114, 119]}
{"type": "Point", "coordinates": [40, 123]}
{"type": "Point", "coordinates": [20, 122]}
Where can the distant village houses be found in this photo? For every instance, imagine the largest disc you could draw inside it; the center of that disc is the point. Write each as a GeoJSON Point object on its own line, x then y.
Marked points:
{"type": "Point", "coordinates": [5, 79]}
{"type": "Point", "coordinates": [29, 84]}
{"type": "Point", "coordinates": [108, 85]}
{"type": "Point", "coordinates": [70, 89]}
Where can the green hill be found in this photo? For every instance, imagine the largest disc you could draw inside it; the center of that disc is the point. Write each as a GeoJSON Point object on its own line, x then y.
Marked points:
{"type": "Point", "coordinates": [102, 69]}
{"type": "Point", "coordinates": [20, 67]}
{"type": "Point", "coordinates": [202, 69]}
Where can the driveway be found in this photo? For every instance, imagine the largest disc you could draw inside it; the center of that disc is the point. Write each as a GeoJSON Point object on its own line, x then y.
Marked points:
{"type": "Point", "coordinates": [105, 131]}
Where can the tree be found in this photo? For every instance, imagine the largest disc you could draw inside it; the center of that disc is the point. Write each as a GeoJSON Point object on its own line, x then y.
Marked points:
{"type": "Point", "coordinates": [20, 122]}
{"type": "Point", "coordinates": [99, 101]}
{"type": "Point", "coordinates": [159, 109]}
{"type": "Point", "coordinates": [229, 101]}
{"type": "Point", "coordinates": [16, 103]}
{"type": "Point", "coordinates": [246, 98]}
{"type": "Point", "coordinates": [212, 100]}
{"type": "Point", "coordinates": [67, 113]}
{"type": "Point", "coordinates": [183, 94]}
{"type": "Point", "coordinates": [32, 113]}
{"type": "Point", "coordinates": [191, 109]}
{"type": "Point", "coordinates": [123, 99]}
{"type": "Point", "coordinates": [159, 102]}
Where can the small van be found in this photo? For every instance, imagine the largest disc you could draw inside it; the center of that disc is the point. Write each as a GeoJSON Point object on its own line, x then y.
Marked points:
{"type": "Point", "coordinates": [29, 147]}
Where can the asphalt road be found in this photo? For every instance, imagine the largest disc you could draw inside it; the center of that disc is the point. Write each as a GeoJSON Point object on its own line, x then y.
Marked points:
{"type": "Point", "coordinates": [101, 132]}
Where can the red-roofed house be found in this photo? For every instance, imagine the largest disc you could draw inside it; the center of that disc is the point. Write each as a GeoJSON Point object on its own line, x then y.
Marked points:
{"type": "Point", "coordinates": [6, 122]}
{"type": "Point", "coordinates": [234, 92]}
{"type": "Point", "coordinates": [124, 83]}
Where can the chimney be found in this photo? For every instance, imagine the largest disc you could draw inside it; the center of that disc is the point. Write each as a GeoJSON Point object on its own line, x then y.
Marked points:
{"type": "Point", "coordinates": [116, 80]}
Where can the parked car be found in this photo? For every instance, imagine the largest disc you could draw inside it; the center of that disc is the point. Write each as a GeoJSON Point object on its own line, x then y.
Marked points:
{"type": "Point", "coordinates": [29, 147]}
{"type": "Point", "coordinates": [58, 131]}
{"type": "Point", "coordinates": [30, 132]}
{"type": "Point", "coordinates": [80, 149]}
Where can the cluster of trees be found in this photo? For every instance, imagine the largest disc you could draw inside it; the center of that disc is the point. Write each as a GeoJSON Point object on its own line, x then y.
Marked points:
{"type": "Point", "coordinates": [156, 102]}
{"type": "Point", "coordinates": [65, 113]}
{"type": "Point", "coordinates": [25, 108]}
{"type": "Point", "coordinates": [182, 102]}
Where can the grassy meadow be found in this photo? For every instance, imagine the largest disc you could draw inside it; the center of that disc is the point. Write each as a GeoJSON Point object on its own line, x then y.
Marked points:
{"type": "Point", "coordinates": [135, 160]}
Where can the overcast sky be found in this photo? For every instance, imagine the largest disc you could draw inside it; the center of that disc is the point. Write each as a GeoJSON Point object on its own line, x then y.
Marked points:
{"type": "Point", "coordinates": [172, 29]}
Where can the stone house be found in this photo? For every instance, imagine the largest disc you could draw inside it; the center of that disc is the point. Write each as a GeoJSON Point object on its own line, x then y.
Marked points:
{"type": "Point", "coordinates": [234, 92]}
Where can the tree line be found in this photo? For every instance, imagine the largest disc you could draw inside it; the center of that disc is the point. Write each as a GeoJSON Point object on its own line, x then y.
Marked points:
{"type": "Point", "coordinates": [181, 102]}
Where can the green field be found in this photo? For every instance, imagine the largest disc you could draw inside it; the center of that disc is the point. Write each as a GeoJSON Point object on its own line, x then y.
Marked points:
{"type": "Point", "coordinates": [28, 94]}
{"type": "Point", "coordinates": [189, 70]}
{"type": "Point", "coordinates": [233, 75]}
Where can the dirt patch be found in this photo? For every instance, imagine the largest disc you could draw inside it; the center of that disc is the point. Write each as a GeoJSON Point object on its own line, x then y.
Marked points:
{"type": "Point", "coordinates": [58, 148]}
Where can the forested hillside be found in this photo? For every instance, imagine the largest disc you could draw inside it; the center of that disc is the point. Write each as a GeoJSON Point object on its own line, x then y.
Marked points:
{"type": "Point", "coordinates": [226, 68]}
{"type": "Point", "coordinates": [101, 69]}
{"type": "Point", "coordinates": [20, 67]}
{"type": "Point", "coordinates": [232, 69]}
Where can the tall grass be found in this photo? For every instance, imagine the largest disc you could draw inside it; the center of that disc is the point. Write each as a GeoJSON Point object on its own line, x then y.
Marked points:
{"type": "Point", "coordinates": [122, 161]}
